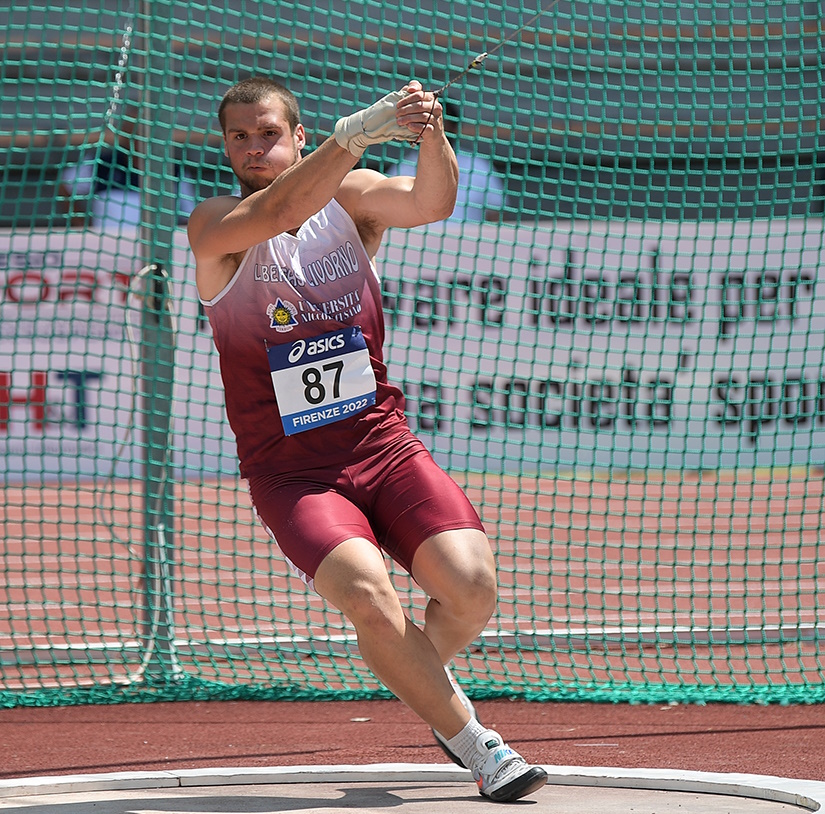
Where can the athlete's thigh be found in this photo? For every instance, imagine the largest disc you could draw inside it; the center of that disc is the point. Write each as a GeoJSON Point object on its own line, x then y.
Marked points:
{"type": "Point", "coordinates": [353, 577]}
{"type": "Point", "coordinates": [456, 564]}
{"type": "Point", "coordinates": [416, 501]}
{"type": "Point", "coordinates": [307, 519]}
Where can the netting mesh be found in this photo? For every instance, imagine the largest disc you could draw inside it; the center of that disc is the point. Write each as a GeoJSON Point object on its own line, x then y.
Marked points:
{"type": "Point", "coordinates": [616, 347]}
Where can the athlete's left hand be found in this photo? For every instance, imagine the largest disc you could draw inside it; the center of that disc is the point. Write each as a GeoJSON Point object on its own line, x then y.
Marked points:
{"type": "Point", "coordinates": [419, 110]}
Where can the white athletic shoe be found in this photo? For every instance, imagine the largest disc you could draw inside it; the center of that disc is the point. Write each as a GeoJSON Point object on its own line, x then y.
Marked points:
{"type": "Point", "coordinates": [468, 705]}
{"type": "Point", "coordinates": [502, 774]}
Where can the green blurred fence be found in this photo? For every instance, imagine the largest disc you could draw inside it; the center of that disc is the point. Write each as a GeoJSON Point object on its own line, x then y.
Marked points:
{"type": "Point", "coordinates": [623, 364]}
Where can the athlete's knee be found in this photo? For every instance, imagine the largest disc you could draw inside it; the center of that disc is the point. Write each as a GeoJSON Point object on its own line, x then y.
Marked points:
{"type": "Point", "coordinates": [470, 594]}
{"type": "Point", "coordinates": [372, 605]}
{"type": "Point", "coordinates": [473, 595]}
{"type": "Point", "coordinates": [458, 571]}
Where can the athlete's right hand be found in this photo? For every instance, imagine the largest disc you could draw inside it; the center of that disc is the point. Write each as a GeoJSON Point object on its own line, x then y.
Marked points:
{"type": "Point", "coordinates": [373, 125]}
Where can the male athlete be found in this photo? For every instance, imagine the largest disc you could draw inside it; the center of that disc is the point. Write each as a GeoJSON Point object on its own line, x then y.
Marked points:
{"type": "Point", "coordinates": [286, 275]}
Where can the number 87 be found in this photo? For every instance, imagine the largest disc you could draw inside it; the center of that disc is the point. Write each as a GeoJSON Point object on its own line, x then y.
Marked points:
{"type": "Point", "coordinates": [314, 391]}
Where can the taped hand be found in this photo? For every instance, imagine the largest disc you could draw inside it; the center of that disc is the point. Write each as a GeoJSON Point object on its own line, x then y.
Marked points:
{"type": "Point", "coordinates": [375, 124]}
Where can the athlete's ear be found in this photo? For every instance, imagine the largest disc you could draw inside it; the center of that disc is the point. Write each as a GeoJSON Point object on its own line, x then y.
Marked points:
{"type": "Point", "coordinates": [300, 136]}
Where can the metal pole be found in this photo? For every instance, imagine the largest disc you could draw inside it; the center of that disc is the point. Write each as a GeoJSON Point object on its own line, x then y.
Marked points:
{"type": "Point", "coordinates": [157, 356]}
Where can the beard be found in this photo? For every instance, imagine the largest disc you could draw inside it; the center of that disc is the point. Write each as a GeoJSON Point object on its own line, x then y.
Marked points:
{"type": "Point", "coordinates": [254, 182]}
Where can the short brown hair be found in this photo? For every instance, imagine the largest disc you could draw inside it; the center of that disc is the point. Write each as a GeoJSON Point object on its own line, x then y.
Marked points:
{"type": "Point", "coordinates": [255, 89]}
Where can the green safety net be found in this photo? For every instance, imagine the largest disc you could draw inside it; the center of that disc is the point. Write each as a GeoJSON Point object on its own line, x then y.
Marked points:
{"type": "Point", "coordinates": [615, 346]}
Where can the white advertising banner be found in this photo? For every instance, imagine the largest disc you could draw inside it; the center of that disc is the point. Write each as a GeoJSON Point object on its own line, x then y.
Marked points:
{"type": "Point", "coordinates": [67, 374]}
{"type": "Point", "coordinates": [613, 344]}
{"type": "Point", "coordinates": [560, 344]}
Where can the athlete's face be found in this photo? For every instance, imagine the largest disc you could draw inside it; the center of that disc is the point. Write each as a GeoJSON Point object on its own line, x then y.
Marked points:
{"type": "Point", "coordinates": [259, 142]}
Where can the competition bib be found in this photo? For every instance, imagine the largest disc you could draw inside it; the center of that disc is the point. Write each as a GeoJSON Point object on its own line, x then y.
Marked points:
{"type": "Point", "coordinates": [321, 380]}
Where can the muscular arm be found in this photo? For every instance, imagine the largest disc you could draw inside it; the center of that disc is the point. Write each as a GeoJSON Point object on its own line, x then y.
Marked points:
{"type": "Point", "coordinates": [220, 229]}
{"type": "Point", "coordinates": [377, 203]}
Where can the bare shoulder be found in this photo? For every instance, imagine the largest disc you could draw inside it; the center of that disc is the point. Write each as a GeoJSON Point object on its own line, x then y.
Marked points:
{"type": "Point", "coordinates": [206, 214]}
{"type": "Point", "coordinates": [371, 199]}
{"type": "Point", "coordinates": [213, 268]}
{"type": "Point", "coordinates": [356, 183]}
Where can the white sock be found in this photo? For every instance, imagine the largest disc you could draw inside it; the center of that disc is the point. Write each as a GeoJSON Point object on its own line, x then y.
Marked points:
{"type": "Point", "coordinates": [464, 743]}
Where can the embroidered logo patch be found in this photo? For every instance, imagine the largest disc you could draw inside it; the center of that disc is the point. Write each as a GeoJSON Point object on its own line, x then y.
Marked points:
{"type": "Point", "coordinates": [282, 315]}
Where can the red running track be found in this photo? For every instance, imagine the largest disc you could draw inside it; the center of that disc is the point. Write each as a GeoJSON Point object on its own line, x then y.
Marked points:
{"type": "Point", "coordinates": [773, 740]}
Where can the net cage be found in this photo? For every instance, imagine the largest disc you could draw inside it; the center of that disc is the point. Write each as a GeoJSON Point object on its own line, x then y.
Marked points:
{"type": "Point", "coordinates": [615, 346]}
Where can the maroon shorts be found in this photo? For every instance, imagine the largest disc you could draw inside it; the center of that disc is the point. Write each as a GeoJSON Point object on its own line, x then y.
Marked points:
{"type": "Point", "coordinates": [396, 500]}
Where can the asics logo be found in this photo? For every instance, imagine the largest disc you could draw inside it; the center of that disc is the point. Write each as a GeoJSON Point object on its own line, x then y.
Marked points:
{"type": "Point", "coordinates": [316, 346]}
{"type": "Point", "coordinates": [297, 351]}
{"type": "Point", "coordinates": [325, 343]}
